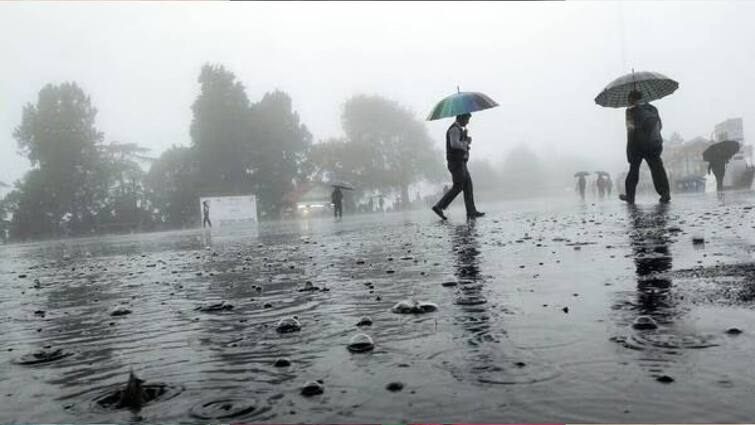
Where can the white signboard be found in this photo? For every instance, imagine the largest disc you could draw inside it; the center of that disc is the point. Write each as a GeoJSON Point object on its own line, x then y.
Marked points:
{"type": "Point", "coordinates": [228, 210]}
{"type": "Point", "coordinates": [731, 129]}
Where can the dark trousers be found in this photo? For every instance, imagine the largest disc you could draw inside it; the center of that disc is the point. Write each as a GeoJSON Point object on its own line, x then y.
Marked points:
{"type": "Point", "coordinates": [338, 209]}
{"type": "Point", "coordinates": [655, 163]}
{"type": "Point", "coordinates": [719, 170]}
{"type": "Point", "coordinates": [206, 222]}
{"type": "Point", "coordinates": [462, 181]}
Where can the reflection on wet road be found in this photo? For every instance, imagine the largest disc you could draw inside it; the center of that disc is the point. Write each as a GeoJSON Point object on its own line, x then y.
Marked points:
{"type": "Point", "coordinates": [548, 311]}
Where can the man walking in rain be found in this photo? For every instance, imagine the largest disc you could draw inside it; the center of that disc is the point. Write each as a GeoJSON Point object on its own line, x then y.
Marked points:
{"type": "Point", "coordinates": [717, 156]}
{"type": "Point", "coordinates": [609, 184]}
{"type": "Point", "coordinates": [457, 155]}
{"type": "Point", "coordinates": [337, 198]}
{"type": "Point", "coordinates": [602, 183]}
{"type": "Point", "coordinates": [718, 167]}
{"type": "Point", "coordinates": [644, 142]}
{"type": "Point", "coordinates": [206, 213]}
{"type": "Point", "coordinates": [581, 184]}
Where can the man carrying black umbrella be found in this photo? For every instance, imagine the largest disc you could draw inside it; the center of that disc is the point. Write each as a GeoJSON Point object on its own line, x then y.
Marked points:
{"type": "Point", "coordinates": [717, 156]}
{"type": "Point", "coordinates": [337, 198]}
{"type": "Point", "coordinates": [644, 142]}
{"type": "Point", "coordinates": [457, 155]}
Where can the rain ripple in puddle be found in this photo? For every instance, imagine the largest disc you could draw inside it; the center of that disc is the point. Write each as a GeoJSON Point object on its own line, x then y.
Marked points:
{"type": "Point", "coordinates": [492, 368]}
{"type": "Point", "coordinates": [666, 340]}
{"type": "Point", "coordinates": [227, 408]}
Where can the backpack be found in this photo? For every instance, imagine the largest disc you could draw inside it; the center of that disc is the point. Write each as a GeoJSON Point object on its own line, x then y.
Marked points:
{"type": "Point", "coordinates": [647, 126]}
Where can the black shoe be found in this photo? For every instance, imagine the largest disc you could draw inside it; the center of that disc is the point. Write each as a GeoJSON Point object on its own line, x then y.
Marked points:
{"type": "Point", "coordinates": [476, 214]}
{"type": "Point", "coordinates": [436, 209]}
{"type": "Point", "coordinates": [624, 198]}
{"type": "Point", "coordinates": [665, 199]}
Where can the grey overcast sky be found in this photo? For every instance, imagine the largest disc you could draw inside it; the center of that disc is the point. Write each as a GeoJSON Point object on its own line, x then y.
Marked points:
{"type": "Point", "coordinates": [543, 62]}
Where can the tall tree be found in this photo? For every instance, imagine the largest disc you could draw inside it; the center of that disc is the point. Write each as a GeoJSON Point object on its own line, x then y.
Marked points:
{"type": "Point", "coordinates": [125, 204]}
{"type": "Point", "coordinates": [220, 132]}
{"type": "Point", "coordinates": [395, 147]}
{"type": "Point", "coordinates": [280, 143]}
{"type": "Point", "coordinates": [172, 187]}
{"type": "Point", "coordinates": [339, 159]}
{"type": "Point", "coordinates": [59, 138]}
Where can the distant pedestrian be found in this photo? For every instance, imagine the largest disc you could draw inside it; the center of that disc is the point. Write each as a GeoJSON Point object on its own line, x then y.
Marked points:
{"type": "Point", "coordinates": [609, 185]}
{"type": "Point", "coordinates": [719, 171]}
{"type": "Point", "coordinates": [337, 198]}
{"type": "Point", "coordinates": [602, 184]}
{"type": "Point", "coordinates": [581, 185]}
{"type": "Point", "coordinates": [644, 142]}
{"type": "Point", "coordinates": [457, 155]}
{"type": "Point", "coordinates": [381, 203]}
{"type": "Point", "coordinates": [206, 213]}
{"type": "Point", "coordinates": [717, 156]}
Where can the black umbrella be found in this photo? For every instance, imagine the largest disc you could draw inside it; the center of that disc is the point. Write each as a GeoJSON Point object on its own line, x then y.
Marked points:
{"type": "Point", "coordinates": [342, 185]}
{"type": "Point", "coordinates": [721, 151]}
{"type": "Point", "coordinates": [581, 174]}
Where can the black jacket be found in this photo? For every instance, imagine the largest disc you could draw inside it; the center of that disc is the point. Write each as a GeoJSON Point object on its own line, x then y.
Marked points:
{"type": "Point", "coordinates": [453, 154]}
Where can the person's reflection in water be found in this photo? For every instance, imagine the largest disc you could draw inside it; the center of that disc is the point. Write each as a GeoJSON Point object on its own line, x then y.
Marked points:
{"type": "Point", "coordinates": [474, 318]}
{"type": "Point", "coordinates": [649, 239]}
{"type": "Point", "coordinates": [207, 239]}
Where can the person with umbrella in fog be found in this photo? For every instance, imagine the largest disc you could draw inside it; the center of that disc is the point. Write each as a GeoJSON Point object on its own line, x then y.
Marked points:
{"type": "Point", "coordinates": [581, 183]}
{"type": "Point", "coordinates": [337, 198]}
{"type": "Point", "coordinates": [643, 123]}
{"type": "Point", "coordinates": [457, 155]}
{"type": "Point", "coordinates": [717, 156]}
{"type": "Point", "coordinates": [602, 182]}
{"type": "Point", "coordinates": [644, 142]}
{"type": "Point", "coordinates": [719, 171]}
{"type": "Point", "coordinates": [609, 184]}
{"type": "Point", "coordinates": [458, 142]}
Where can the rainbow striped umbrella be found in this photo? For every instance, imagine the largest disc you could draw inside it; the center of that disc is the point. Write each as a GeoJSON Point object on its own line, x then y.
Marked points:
{"type": "Point", "coordinates": [461, 103]}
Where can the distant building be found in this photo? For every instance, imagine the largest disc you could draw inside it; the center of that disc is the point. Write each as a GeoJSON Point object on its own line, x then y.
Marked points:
{"type": "Point", "coordinates": [687, 171]}
{"type": "Point", "coordinates": [739, 170]}
{"type": "Point", "coordinates": [685, 166]}
{"type": "Point", "coordinates": [731, 129]}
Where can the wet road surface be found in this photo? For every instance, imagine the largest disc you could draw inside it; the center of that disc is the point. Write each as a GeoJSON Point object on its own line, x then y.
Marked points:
{"type": "Point", "coordinates": [533, 318]}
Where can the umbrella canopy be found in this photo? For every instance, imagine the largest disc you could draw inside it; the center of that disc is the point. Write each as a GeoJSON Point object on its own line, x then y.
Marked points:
{"type": "Point", "coordinates": [652, 85]}
{"type": "Point", "coordinates": [721, 151]}
{"type": "Point", "coordinates": [602, 173]}
{"type": "Point", "coordinates": [341, 184]}
{"type": "Point", "coordinates": [461, 103]}
{"type": "Point", "coordinates": [581, 174]}
{"type": "Point", "coordinates": [4, 184]}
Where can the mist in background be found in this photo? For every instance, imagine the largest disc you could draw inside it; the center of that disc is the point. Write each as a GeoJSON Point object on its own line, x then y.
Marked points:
{"type": "Point", "coordinates": [542, 62]}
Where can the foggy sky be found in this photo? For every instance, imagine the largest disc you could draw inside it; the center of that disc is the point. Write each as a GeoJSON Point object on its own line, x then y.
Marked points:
{"type": "Point", "coordinates": [543, 62]}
